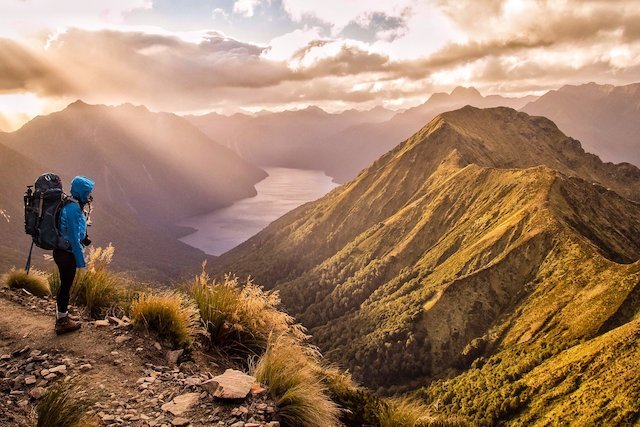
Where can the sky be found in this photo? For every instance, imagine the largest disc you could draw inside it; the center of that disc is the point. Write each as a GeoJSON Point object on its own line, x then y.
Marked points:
{"type": "Point", "coordinates": [196, 56]}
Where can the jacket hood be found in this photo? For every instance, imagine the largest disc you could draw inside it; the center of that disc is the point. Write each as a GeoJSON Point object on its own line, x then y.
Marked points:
{"type": "Point", "coordinates": [81, 187]}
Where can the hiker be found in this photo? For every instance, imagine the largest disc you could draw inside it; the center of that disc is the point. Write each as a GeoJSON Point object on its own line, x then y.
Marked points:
{"type": "Point", "coordinates": [73, 229]}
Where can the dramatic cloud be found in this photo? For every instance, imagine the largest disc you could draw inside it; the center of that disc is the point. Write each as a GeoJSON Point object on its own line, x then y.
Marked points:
{"type": "Point", "coordinates": [339, 14]}
{"type": "Point", "coordinates": [335, 54]}
{"type": "Point", "coordinates": [154, 69]}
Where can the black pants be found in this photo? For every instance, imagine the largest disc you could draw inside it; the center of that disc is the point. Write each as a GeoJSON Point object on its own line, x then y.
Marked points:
{"type": "Point", "coordinates": [66, 263]}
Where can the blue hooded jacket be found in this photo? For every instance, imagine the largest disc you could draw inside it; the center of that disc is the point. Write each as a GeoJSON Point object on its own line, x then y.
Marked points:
{"type": "Point", "coordinates": [73, 224]}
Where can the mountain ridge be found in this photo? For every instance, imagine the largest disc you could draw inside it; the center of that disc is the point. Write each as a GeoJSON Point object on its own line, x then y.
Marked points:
{"type": "Point", "coordinates": [442, 252]}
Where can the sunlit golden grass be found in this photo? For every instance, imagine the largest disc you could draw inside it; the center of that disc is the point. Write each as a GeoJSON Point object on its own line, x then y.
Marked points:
{"type": "Point", "coordinates": [171, 315]}
{"type": "Point", "coordinates": [287, 368]}
{"type": "Point", "coordinates": [96, 288]}
{"type": "Point", "coordinates": [53, 280]}
{"type": "Point", "coordinates": [35, 282]}
{"type": "Point", "coordinates": [408, 412]}
{"type": "Point", "coordinates": [240, 318]}
{"type": "Point", "coordinates": [63, 405]}
{"type": "Point", "coordinates": [360, 406]}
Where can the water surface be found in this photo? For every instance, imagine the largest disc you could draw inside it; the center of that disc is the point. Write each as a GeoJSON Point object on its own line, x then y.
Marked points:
{"type": "Point", "coordinates": [283, 190]}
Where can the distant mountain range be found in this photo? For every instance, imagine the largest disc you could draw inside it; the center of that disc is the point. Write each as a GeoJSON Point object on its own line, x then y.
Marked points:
{"type": "Point", "coordinates": [340, 144]}
{"type": "Point", "coordinates": [605, 118]}
{"type": "Point", "coordinates": [287, 139]}
{"type": "Point", "coordinates": [477, 259]}
{"type": "Point", "coordinates": [151, 169]}
{"type": "Point", "coordinates": [353, 149]}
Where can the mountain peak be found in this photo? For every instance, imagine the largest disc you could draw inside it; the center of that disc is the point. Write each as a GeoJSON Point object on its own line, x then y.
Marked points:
{"type": "Point", "coordinates": [502, 137]}
{"type": "Point", "coordinates": [127, 106]}
{"type": "Point", "coordinates": [462, 91]}
{"type": "Point", "coordinates": [78, 103]}
{"type": "Point", "coordinates": [478, 216]}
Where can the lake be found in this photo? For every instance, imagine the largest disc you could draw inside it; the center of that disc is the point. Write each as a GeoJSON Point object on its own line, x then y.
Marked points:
{"type": "Point", "coordinates": [282, 191]}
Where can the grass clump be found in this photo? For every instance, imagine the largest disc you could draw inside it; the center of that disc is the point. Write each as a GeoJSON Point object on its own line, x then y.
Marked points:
{"type": "Point", "coordinates": [35, 282]}
{"type": "Point", "coordinates": [240, 318]}
{"type": "Point", "coordinates": [362, 407]}
{"type": "Point", "coordinates": [169, 314]}
{"type": "Point", "coordinates": [97, 288]}
{"type": "Point", "coordinates": [63, 405]}
{"type": "Point", "coordinates": [53, 280]}
{"type": "Point", "coordinates": [288, 369]}
{"type": "Point", "coordinates": [408, 412]}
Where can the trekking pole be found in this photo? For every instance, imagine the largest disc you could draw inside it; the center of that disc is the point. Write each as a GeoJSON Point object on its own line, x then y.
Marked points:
{"type": "Point", "coordinates": [28, 266]}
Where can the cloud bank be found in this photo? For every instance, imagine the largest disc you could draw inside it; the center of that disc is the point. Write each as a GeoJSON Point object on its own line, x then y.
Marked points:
{"type": "Point", "coordinates": [357, 54]}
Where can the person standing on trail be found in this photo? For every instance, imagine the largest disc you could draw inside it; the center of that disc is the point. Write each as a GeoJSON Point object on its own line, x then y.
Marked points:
{"type": "Point", "coordinates": [73, 228]}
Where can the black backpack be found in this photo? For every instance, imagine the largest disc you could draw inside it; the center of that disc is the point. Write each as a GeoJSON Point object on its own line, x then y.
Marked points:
{"type": "Point", "coordinates": [42, 207]}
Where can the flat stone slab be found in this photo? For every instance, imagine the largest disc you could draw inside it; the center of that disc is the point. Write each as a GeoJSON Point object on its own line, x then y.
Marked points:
{"type": "Point", "coordinates": [172, 356]}
{"type": "Point", "coordinates": [181, 404]}
{"type": "Point", "coordinates": [233, 384]}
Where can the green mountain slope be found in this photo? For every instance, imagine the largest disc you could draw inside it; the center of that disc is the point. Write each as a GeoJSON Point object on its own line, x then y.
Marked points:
{"type": "Point", "coordinates": [488, 232]}
{"type": "Point", "coordinates": [593, 382]}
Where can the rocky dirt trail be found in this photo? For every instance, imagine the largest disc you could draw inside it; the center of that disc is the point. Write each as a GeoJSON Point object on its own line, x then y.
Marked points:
{"type": "Point", "coordinates": [132, 378]}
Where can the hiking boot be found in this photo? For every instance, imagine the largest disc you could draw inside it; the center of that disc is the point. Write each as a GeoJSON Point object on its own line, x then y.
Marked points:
{"type": "Point", "coordinates": [66, 324]}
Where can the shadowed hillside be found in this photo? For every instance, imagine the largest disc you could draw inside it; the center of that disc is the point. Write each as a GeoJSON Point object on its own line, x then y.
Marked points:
{"type": "Point", "coordinates": [156, 163]}
{"type": "Point", "coordinates": [16, 172]}
{"type": "Point", "coordinates": [486, 234]}
{"type": "Point", "coordinates": [151, 169]}
{"type": "Point", "coordinates": [605, 118]}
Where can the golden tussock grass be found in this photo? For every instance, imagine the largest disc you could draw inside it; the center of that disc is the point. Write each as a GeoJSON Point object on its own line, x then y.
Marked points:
{"type": "Point", "coordinates": [240, 318]}
{"type": "Point", "coordinates": [35, 282]}
{"type": "Point", "coordinates": [288, 369]}
{"type": "Point", "coordinates": [409, 412]}
{"type": "Point", "coordinates": [171, 315]}
{"type": "Point", "coordinates": [64, 405]}
{"type": "Point", "coordinates": [96, 287]}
